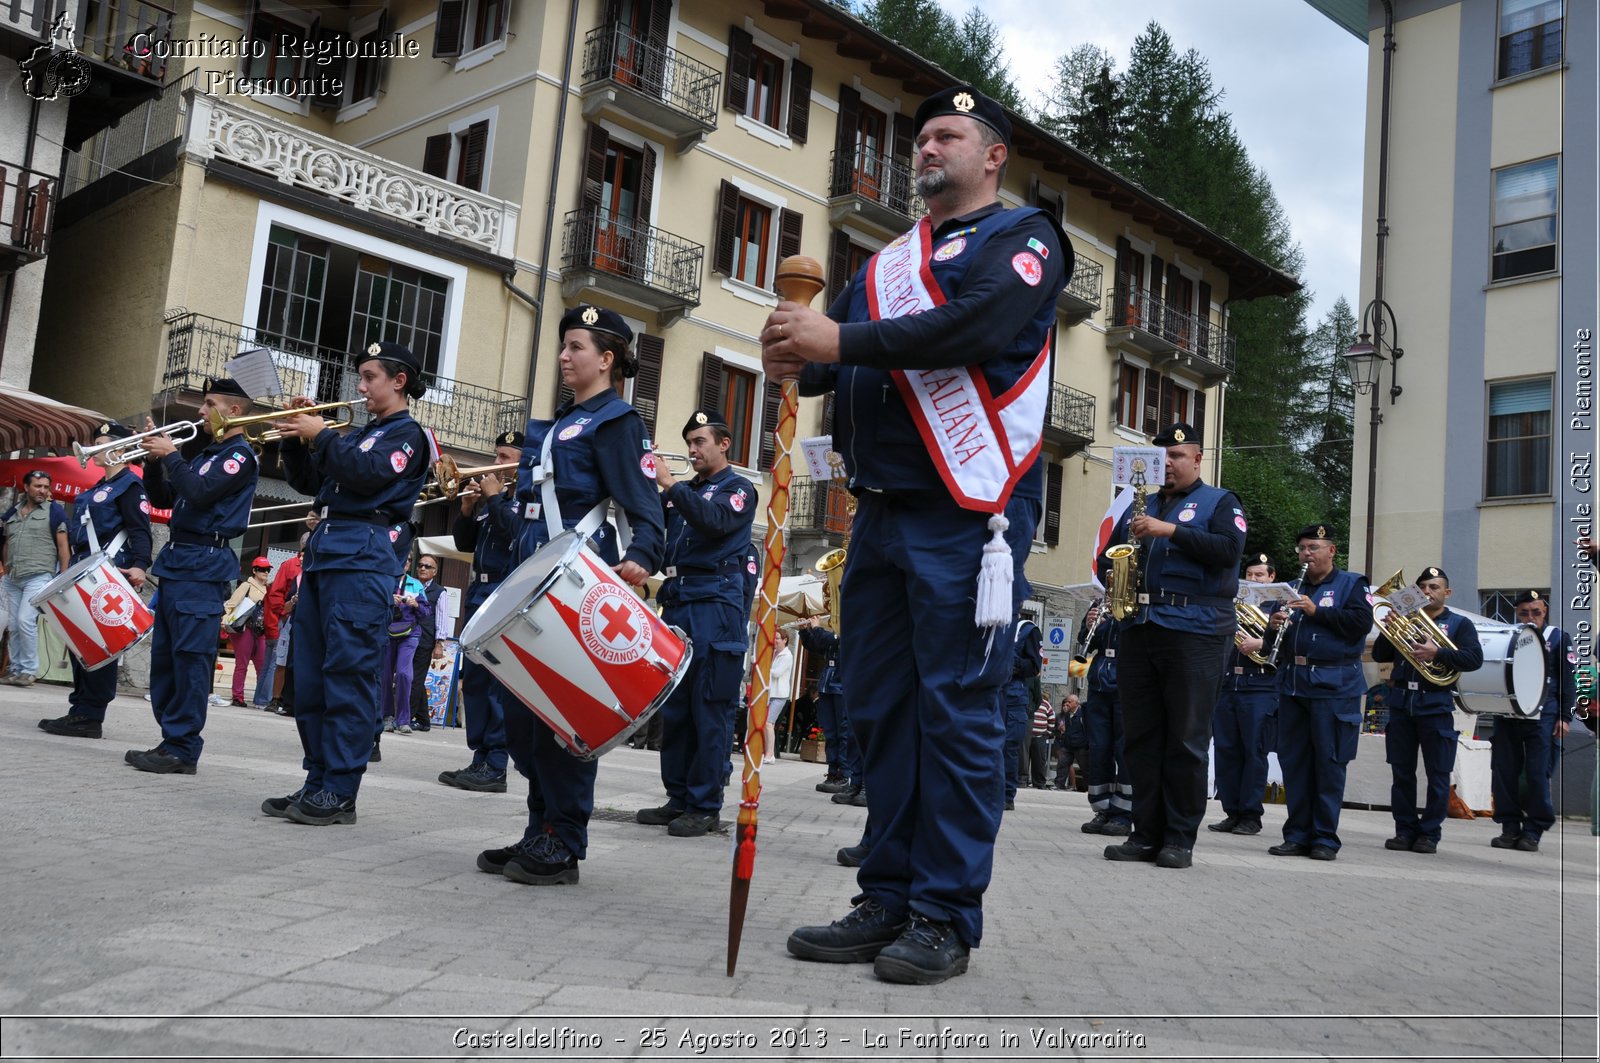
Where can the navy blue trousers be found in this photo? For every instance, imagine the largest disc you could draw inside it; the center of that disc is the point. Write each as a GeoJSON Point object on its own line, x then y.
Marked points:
{"type": "Point", "coordinates": [1434, 735]}
{"type": "Point", "coordinates": [925, 706]}
{"type": "Point", "coordinates": [1243, 730]}
{"type": "Point", "coordinates": [1109, 790]}
{"type": "Point", "coordinates": [1167, 682]}
{"type": "Point", "coordinates": [560, 786]}
{"type": "Point", "coordinates": [341, 632]}
{"type": "Point", "coordinates": [1518, 749]}
{"type": "Point", "coordinates": [1316, 740]}
{"type": "Point", "coordinates": [1019, 717]}
{"type": "Point", "coordinates": [697, 729]}
{"type": "Point", "coordinates": [92, 691]}
{"type": "Point", "coordinates": [844, 758]}
{"type": "Point", "coordinates": [484, 701]}
{"type": "Point", "coordinates": [183, 647]}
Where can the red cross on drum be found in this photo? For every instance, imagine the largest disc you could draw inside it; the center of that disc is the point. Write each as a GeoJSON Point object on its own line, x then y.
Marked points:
{"type": "Point", "coordinates": [95, 611]}
{"type": "Point", "coordinates": [577, 646]}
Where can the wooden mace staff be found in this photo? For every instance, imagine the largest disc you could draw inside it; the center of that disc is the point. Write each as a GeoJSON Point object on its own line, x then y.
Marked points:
{"type": "Point", "coordinates": [799, 280]}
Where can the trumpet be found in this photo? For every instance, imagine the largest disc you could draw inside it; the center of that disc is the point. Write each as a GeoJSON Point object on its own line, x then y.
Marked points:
{"type": "Point", "coordinates": [122, 451]}
{"type": "Point", "coordinates": [677, 464]}
{"type": "Point", "coordinates": [1402, 630]}
{"type": "Point", "coordinates": [258, 426]}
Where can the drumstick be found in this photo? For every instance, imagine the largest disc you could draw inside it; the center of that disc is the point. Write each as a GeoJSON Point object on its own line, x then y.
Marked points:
{"type": "Point", "coordinates": [799, 280]}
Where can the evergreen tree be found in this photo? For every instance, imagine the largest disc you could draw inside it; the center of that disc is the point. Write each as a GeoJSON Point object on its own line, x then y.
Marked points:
{"type": "Point", "coordinates": [1084, 103]}
{"type": "Point", "coordinates": [970, 51]}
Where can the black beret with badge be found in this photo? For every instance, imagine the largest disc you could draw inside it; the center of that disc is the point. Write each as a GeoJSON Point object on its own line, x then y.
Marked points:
{"type": "Point", "coordinates": [702, 419]}
{"type": "Point", "coordinates": [1175, 434]}
{"type": "Point", "coordinates": [1315, 531]}
{"type": "Point", "coordinates": [113, 430]}
{"type": "Point", "coordinates": [511, 438]}
{"type": "Point", "coordinates": [599, 319]}
{"type": "Point", "coordinates": [393, 352]}
{"type": "Point", "coordinates": [223, 385]}
{"type": "Point", "coordinates": [1259, 559]}
{"type": "Point", "coordinates": [966, 101]}
{"type": "Point", "coordinates": [1529, 597]}
{"type": "Point", "coordinates": [1431, 572]}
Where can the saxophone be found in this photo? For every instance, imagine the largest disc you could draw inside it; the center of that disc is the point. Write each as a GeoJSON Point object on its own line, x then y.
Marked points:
{"type": "Point", "coordinates": [1122, 587]}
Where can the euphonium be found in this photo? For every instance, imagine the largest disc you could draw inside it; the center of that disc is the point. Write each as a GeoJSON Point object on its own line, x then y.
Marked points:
{"type": "Point", "coordinates": [831, 566]}
{"type": "Point", "coordinates": [1402, 630]}
{"type": "Point", "coordinates": [1253, 625]}
{"type": "Point", "coordinates": [1123, 586]}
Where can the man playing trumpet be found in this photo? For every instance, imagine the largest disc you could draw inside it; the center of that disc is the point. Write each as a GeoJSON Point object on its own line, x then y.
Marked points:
{"type": "Point", "coordinates": [1420, 711]}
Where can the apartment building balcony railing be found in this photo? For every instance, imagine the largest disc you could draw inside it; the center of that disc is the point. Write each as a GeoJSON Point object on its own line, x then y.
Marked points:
{"type": "Point", "coordinates": [875, 189]}
{"type": "Point", "coordinates": [1081, 297]}
{"type": "Point", "coordinates": [220, 129]}
{"type": "Point", "coordinates": [463, 416]}
{"type": "Point", "coordinates": [627, 258]}
{"type": "Point", "coordinates": [27, 205]}
{"type": "Point", "coordinates": [819, 507]}
{"type": "Point", "coordinates": [1169, 336]}
{"type": "Point", "coordinates": [1069, 422]}
{"type": "Point", "coordinates": [627, 76]}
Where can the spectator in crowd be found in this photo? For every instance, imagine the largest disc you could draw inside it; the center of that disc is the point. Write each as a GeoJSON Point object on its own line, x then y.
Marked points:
{"type": "Point", "coordinates": [280, 615]}
{"type": "Point", "coordinates": [782, 680]}
{"type": "Point", "coordinates": [1044, 721]}
{"type": "Point", "coordinates": [35, 550]}
{"type": "Point", "coordinates": [1071, 744]}
{"type": "Point", "coordinates": [432, 629]}
{"type": "Point", "coordinates": [405, 623]}
{"type": "Point", "coordinates": [247, 626]}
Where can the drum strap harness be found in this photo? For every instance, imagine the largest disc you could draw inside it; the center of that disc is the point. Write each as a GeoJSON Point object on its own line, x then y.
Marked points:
{"type": "Point", "coordinates": [544, 475]}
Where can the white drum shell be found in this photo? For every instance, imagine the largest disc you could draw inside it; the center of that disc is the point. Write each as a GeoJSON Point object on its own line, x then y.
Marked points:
{"type": "Point", "coordinates": [70, 602]}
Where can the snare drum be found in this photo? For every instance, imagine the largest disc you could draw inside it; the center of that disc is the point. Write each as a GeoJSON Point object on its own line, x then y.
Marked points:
{"type": "Point", "coordinates": [95, 610]}
{"type": "Point", "coordinates": [1511, 681]}
{"type": "Point", "coordinates": [577, 646]}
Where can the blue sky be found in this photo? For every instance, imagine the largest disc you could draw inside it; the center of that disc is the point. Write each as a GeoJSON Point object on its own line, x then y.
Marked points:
{"type": "Point", "coordinates": [1295, 86]}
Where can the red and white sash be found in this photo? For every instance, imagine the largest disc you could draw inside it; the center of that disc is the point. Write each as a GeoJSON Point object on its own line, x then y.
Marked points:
{"type": "Point", "coordinates": [980, 443]}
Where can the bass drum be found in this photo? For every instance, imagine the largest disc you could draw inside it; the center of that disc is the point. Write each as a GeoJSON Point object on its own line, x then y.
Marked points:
{"type": "Point", "coordinates": [1512, 679]}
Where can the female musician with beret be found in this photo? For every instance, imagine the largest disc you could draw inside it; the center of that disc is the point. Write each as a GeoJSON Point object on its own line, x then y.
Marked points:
{"type": "Point", "coordinates": [365, 484]}
{"type": "Point", "coordinates": [595, 449]}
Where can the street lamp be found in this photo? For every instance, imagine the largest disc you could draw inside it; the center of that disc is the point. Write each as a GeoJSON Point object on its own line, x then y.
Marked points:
{"type": "Point", "coordinates": [1364, 362]}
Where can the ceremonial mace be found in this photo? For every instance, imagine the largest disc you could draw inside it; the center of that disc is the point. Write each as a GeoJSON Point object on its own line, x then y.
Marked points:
{"type": "Point", "coordinates": [799, 280]}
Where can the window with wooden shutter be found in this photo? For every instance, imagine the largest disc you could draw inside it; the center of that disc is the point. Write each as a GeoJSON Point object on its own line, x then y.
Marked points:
{"type": "Point", "coordinates": [597, 143]}
{"type": "Point", "coordinates": [1198, 419]}
{"type": "Point", "coordinates": [1169, 401]}
{"type": "Point", "coordinates": [900, 181]}
{"type": "Point", "coordinates": [771, 405]}
{"type": "Point", "coordinates": [1203, 317]}
{"type": "Point", "coordinates": [647, 384]}
{"type": "Point", "coordinates": [647, 181]}
{"type": "Point", "coordinates": [436, 156]}
{"type": "Point", "coordinates": [799, 101]}
{"type": "Point", "coordinates": [727, 234]}
{"type": "Point", "coordinates": [844, 141]}
{"type": "Point", "coordinates": [710, 382]}
{"type": "Point", "coordinates": [449, 28]}
{"type": "Point", "coordinates": [1152, 401]}
{"type": "Point", "coordinates": [1123, 283]}
{"type": "Point", "coordinates": [838, 263]}
{"type": "Point", "coordinates": [469, 168]}
{"type": "Point", "coordinates": [790, 224]}
{"type": "Point", "coordinates": [1052, 504]}
{"type": "Point", "coordinates": [741, 50]}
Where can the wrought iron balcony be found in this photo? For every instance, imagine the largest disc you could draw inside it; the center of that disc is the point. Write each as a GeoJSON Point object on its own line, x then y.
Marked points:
{"type": "Point", "coordinates": [27, 204]}
{"type": "Point", "coordinates": [464, 416]}
{"type": "Point", "coordinates": [1081, 297]}
{"type": "Point", "coordinates": [219, 129]}
{"type": "Point", "coordinates": [875, 189]}
{"type": "Point", "coordinates": [819, 507]}
{"type": "Point", "coordinates": [1069, 423]}
{"type": "Point", "coordinates": [1169, 336]}
{"type": "Point", "coordinates": [628, 258]}
{"type": "Point", "coordinates": [128, 33]}
{"type": "Point", "coordinates": [627, 76]}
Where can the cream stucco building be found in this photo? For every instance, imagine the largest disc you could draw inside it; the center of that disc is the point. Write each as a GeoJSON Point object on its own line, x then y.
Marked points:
{"type": "Point", "coordinates": [1488, 124]}
{"type": "Point", "coordinates": [652, 156]}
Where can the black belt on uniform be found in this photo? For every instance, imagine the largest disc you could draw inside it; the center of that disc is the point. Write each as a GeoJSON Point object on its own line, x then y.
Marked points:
{"type": "Point", "coordinates": [1182, 600]}
{"type": "Point", "coordinates": [188, 538]}
{"type": "Point", "coordinates": [372, 516]}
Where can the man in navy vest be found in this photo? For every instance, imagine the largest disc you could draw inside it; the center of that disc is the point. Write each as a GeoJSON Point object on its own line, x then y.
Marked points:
{"type": "Point", "coordinates": [1243, 729]}
{"type": "Point", "coordinates": [117, 504]}
{"type": "Point", "coordinates": [1173, 648]}
{"type": "Point", "coordinates": [1320, 688]}
{"type": "Point", "coordinates": [1105, 764]}
{"type": "Point", "coordinates": [708, 523]}
{"type": "Point", "coordinates": [210, 501]}
{"type": "Point", "coordinates": [1422, 717]}
{"type": "Point", "coordinates": [937, 353]}
{"type": "Point", "coordinates": [487, 528]}
{"type": "Point", "coordinates": [1521, 752]}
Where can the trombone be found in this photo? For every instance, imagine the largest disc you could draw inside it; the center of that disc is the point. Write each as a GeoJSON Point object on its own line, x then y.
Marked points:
{"type": "Point", "coordinates": [449, 479]}
{"type": "Point", "coordinates": [122, 451]}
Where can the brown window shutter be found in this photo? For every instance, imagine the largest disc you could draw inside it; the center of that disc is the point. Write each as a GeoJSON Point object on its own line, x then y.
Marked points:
{"type": "Point", "coordinates": [647, 384]}
{"type": "Point", "coordinates": [1123, 284]}
{"type": "Point", "coordinates": [1199, 416]}
{"type": "Point", "coordinates": [449, 27]}
{"type": "Point", "coordinates": [647, 181]}
{"type": "Point", "coordinates": [727, 233]}
{"type": "Point", "coordinates": [904, 139]}
{"type": "Point", "coordinates": [711, 383]}
{"type": "Point", "coordinates": [472, 149]}
{"type": "Point", "coordinates": [741, 47]}
{"type": "Point", "coordinates": [838, 264]}
{"type": "Point", "coordinates": [564, 395]}
{"type": "Point", "coordinates": [899, 183]}
{"type": "Point", "coordinates": [660, 21]}
{"type": "Point", "coordinates": [799, 101]}
{"type": "Point", "coordinates": [1174, 285]}
{"type": "Point", "coordinates": [1169, 401]}
{"type": "Point", "coordinates": [1052, 504]}
{"type": "Point", "coordinates": [790, 222]}
{"type": "Point", "coordinates": [436, 155]}
{"type": "Point", "coordinates": [771, 404]}
{"type": "Point", "coordinates": [1152, 401]}
{"type": "Point", "coordinates": [1156, 269]}
{"type": "Point", "coordinates": [1202, 314]}
{"type": "Point", "coordinates": [597, 143]}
